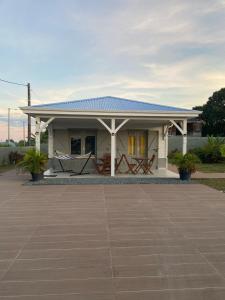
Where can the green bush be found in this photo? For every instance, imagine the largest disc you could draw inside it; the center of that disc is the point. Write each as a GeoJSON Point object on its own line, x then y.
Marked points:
{"type": "Point", "coordinates": [33, 161]}
{"type": "Point", "coordinates": [212, 152]}
{"type": "Point", "coordinates": [185, 162]}
{"type": "Point", "coordinates": [172, 154]}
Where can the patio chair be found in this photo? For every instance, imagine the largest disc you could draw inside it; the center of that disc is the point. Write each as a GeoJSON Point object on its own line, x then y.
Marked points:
{"type": "Point", "coordinates": [131, 166]}
{"type": "Point", "coordinates": [118, 162]}
{"type": "Point", "coordinates": [148, 165]}
{"type": "Point", "coordinates": [103, 165]}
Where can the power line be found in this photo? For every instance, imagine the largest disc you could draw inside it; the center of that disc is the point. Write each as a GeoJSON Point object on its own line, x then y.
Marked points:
{"type": "Point", "coordinates": [28, 101]}
{"type": "Point", "coordinates": [11, 82]}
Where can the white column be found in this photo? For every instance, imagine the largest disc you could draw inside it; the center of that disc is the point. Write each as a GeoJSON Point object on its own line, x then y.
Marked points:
{"type": "Point", "coordinates": [184, 146]}
{"type": "Point", "coordinates": [162, 148]}
{"type": "Point", "coordinates": [38, 134]}
{"type": "Point", "coordinates": [113, 146]}
{"type": "Point", "coordinates": [50, 141]}
{"type": "Point", "coordinates": [166, 147]}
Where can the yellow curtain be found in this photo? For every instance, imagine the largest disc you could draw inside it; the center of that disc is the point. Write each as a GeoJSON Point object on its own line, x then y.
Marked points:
{"type": "Point", "coordinates": [142, 145]}
{"type": "Point", "coordinates": [131, 145]}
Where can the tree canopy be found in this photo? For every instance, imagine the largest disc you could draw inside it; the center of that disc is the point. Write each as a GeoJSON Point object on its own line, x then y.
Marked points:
{"type": "Point", "coordinates": [213, 114]}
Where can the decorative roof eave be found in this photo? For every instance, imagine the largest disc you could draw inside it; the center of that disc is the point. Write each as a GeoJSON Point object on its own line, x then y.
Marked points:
{"type": "Point", "coordinates": [62, 112]}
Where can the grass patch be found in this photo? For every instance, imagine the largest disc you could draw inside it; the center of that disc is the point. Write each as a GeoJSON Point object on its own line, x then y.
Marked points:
{"type": "Point", "coordinates": [216, 183]}
{"type": "Point", "coordinates": [211, 168]}
{"type": "Point", "coordinates": [6, 168]}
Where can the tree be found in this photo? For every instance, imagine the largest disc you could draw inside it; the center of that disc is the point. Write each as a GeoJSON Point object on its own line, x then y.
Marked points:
{"type": "Point", "coordinates": [21, 143]}
{"type": "Point", "coordinates": [213, 114]}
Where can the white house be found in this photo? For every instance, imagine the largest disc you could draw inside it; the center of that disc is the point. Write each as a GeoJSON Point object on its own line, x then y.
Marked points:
{"type": "Point", "coordinates": [110, 125]}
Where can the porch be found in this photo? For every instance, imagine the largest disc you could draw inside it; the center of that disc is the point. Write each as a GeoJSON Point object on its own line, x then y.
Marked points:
{"type": "Point", "coordinates": [133, 147]}
{"type": "Point", "coordinates": [110, 127]}
{"type": "Point", "coordinates": [160, 176]}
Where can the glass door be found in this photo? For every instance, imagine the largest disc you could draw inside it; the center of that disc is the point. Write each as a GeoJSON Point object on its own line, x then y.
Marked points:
{"type": "Point", "coordinates": [76, 145]}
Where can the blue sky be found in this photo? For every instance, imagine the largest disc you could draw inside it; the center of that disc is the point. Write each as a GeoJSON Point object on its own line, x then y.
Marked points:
{"type": "Point", "coordinates": [168, 52]}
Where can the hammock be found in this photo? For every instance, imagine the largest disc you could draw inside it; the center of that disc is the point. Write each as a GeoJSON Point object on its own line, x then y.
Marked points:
{"type": "Point", "coordinates": [62, 156]}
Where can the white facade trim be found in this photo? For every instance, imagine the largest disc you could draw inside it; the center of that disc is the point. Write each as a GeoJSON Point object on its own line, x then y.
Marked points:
{"type": "Point", "coordinates": [177, 114]}
{"type": "Point", "coordinates": [121, 125]}
{"type": "Point", "coordinates": [38, 134]}
{"type": "Point", "coordinates": [177, 126]}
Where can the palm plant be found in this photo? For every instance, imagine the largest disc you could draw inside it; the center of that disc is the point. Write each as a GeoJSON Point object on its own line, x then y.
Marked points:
{"type": "Point", "coordinates": [186, 164]}
{"type": "Point", "coordinates": [33, 162]}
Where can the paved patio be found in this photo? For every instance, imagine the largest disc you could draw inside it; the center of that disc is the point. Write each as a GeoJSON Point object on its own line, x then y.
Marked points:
{"type": "Point", "coordinates": [111, 242]}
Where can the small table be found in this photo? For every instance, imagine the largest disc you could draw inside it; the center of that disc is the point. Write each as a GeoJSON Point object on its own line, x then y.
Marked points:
{"type": "Point", "coordinates": [144, 164]}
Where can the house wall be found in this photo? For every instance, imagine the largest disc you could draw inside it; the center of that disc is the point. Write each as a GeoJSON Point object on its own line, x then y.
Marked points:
{"type": "Point", "coordinates": [62, 138]}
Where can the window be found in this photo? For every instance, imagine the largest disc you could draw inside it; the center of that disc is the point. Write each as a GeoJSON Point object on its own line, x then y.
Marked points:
{"type": "Point", "coordinates": [131, 144]}
{"type": "Point", "coordinates": [83, 144]}
{"type": "Point", "coordinates": [90, 144]}
{"type": "Point", "coordinates": [76, 146]}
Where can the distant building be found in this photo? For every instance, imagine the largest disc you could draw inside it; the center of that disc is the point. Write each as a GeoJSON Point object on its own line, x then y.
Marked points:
{"type": "Point", "coordinates": [194, 128]}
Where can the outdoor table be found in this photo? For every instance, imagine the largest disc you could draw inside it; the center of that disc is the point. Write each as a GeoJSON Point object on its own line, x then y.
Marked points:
{"type": "Point", "coordinates": [144, 164]}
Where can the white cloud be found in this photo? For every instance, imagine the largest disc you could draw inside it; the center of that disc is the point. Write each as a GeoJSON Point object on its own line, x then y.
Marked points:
{"type": "Point", "coordinates": [169, 52]}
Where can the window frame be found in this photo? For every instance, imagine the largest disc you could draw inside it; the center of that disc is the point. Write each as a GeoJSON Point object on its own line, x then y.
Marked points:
{"type": "Point", "coordinates": [82, 135]}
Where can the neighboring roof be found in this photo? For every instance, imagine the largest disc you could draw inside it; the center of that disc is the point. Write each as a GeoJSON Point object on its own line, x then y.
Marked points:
{"type": "Point", "coordinates": [108, 104]}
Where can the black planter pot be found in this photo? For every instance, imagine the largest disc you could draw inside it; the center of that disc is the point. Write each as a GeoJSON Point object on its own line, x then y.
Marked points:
{"type": "Point", "coordinates": [37, 176]}
{"type": "Point", "coordinates": [184, 175]}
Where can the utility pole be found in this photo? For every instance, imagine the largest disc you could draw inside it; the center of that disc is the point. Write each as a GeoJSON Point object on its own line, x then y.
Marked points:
{"type": "Point", "coordinates": [29, 117]}
{"type": "Point", "coordinates": [8, 126]}
{"type": "Point", "coordinates": [24, 141]}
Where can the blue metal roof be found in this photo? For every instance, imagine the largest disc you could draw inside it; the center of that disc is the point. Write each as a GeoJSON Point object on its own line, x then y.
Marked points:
{"type": "Point", "coordinates": [108, 104]}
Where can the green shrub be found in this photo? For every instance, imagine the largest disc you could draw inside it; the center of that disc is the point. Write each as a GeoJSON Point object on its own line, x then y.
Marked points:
{"type": "Point", "coordinates": [33, 161]}
{"type": "Point", "coordinates": [185, 162]}
{"type": "Point", "coordinates": [212, 151]}
{"type": "Point", "coordinates": [172, 154]}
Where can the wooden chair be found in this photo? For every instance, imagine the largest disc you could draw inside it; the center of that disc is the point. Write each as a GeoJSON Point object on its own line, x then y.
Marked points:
{"type": "Point", "coordinates": [148, 165]}
{"type": "Point", "coordinates": [103, 165]}
{"type": "Point", "coordinates": [118, 163]}
{"type": "Point", "coordinates": [131, 166]}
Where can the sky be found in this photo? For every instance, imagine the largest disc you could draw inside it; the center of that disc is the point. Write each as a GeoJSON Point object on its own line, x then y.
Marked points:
{"type": "Point", "coordinates": [168, 52]}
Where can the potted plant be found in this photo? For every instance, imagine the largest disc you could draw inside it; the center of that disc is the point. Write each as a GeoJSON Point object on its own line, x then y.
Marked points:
{"type": "Point", "coordinates": [186, 164]}
{"type": "Point", "coordinates": [34, 162]}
